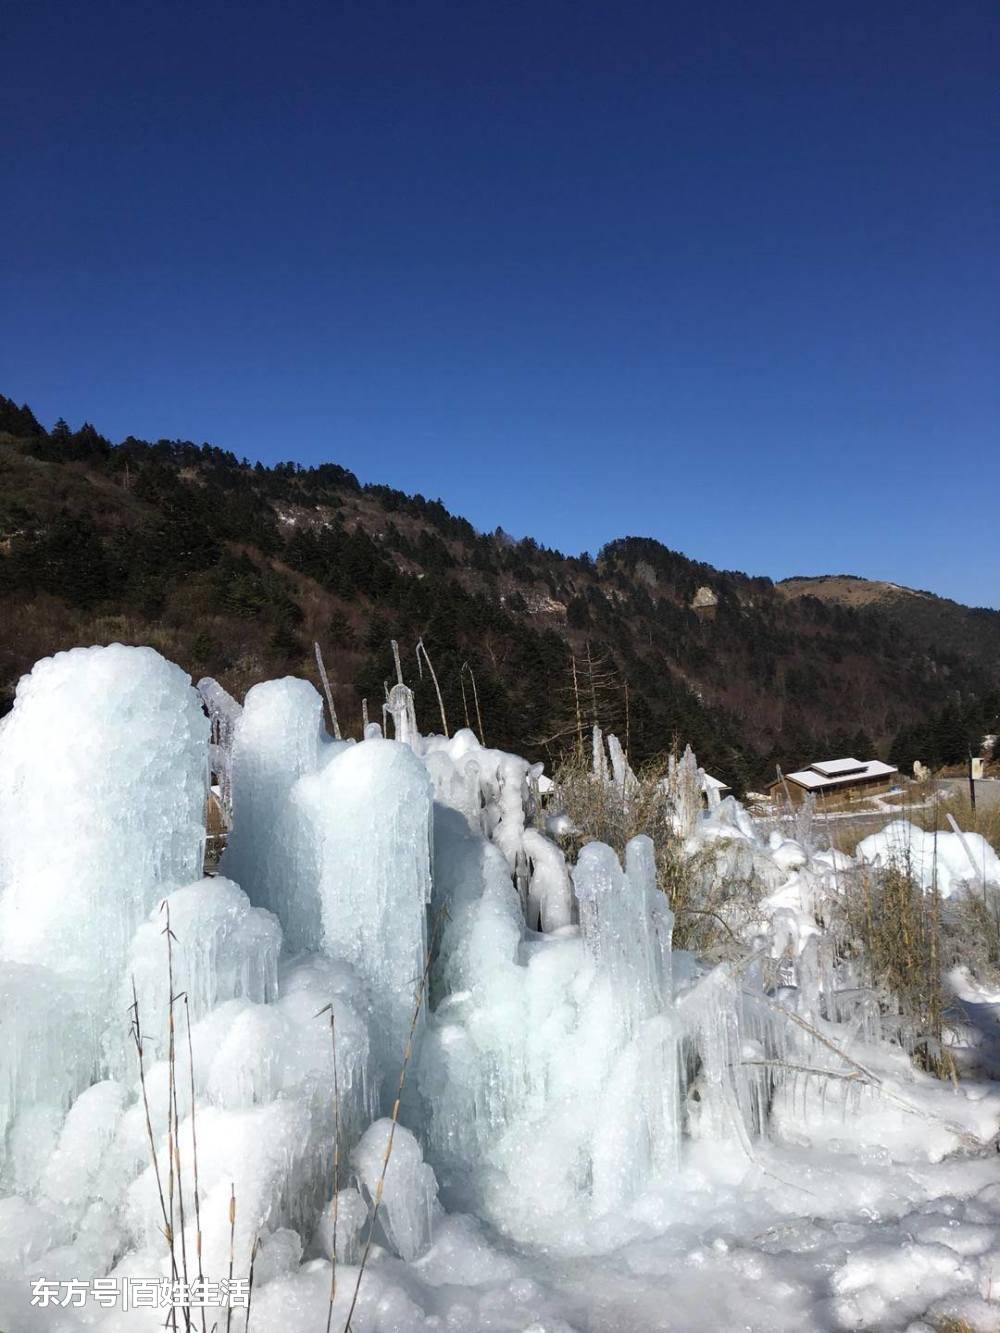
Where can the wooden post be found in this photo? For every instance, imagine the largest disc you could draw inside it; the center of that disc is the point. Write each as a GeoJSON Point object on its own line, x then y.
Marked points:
{"type": "Point", "coordinates": [972, 789]}
{"type": "Point", "coordinates": [784, 783]}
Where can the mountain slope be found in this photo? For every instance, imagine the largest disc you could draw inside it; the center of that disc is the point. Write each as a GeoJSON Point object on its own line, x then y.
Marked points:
{"type": "Point", "coordinates": [970, 631]}
{"type": "Point", "coordinates": [233, 569]}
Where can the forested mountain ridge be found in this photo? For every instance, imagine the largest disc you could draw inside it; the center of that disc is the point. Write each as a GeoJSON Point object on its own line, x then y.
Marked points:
{"type": "Point", "coordinates": [233, 569]}
{"type": "Point", "coordinates": [913, 609]}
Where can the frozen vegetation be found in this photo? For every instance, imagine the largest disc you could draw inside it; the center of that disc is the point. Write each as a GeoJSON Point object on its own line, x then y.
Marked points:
{"type": "Point", "coordinates": [949, 862]}
{"type": "Point", "coordinates": [420, 1044]}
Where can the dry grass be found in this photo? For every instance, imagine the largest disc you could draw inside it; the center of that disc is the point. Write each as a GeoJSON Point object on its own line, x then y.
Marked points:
{"type": "Point", "coordinates": [971, 933]}
{"type": "Point", "coordinates": [923, 804]}
{"type": "Point", "coordinates": [856, 805]}
{"type": "Point", "coordinates": [711, 904]}
{"type": "Point", "coordinates": [905, 938]}
{"type": "Point", "coordinates": [600, 811]}
{"type": "Point", "coordinates": [970, 925]}
{"type": "Point", "coordinates": [893, 929]}
{"type": "Point", "coordinates": [984, 820]}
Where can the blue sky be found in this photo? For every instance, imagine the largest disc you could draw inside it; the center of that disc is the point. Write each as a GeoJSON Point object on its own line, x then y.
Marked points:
{"type": "Point", "coordinates": [724, 274]}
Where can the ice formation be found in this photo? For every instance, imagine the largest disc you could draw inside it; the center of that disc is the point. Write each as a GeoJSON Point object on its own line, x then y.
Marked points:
{"type": "Point", "coordinates": [223, 714]}
{"type": "Point", "coordinates": [950, 861]}
{"type": "Point", "coordinates": [224, 949]}
{"type": "Point", "coordinates": [401, 949]}
{"type": "Point", "coordinates": [334, 839]}
{"type": "Point", "coordinates": [278, 739]}
{"type": "Point", "coordinates": [369, 812]}
{"type": "Point", "coordinates": [550, 891]}
{"type": "Point", "coordinates": [406, 1188]}
{"type": "Point", "coordinates": [103, 782]}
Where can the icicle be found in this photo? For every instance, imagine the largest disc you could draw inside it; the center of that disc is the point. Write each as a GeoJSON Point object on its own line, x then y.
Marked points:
{"type": "Point", "coordinates": [623, 776]}
{"type": "Point", "coordinates": [400, 707]}
{"type": "Point", "coordinates": [223, 714]}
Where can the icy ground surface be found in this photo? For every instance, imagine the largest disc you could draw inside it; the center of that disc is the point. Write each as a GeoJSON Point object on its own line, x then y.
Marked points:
{"type": "Point", "coordinates": [856, 1244]}
{"type": "Point", "coordinates": [596, 1131]}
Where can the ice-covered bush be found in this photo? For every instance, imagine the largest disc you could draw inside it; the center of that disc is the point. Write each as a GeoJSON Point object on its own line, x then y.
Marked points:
{"type": "Point", "coordinates": [712, 884]}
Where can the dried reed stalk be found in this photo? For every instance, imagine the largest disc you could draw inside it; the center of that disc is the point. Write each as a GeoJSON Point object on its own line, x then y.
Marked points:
{"type": "Point", "coordinates": [336, 1161]}
{"type": "Point", "coordinates": [253, 1261]}
{"type": "Point", "coordinates": [421, 648]}
{"type": "Point", "coordinates": [194, 1155]}
{"type": "Point", "coordinates": [232, 1247]}
{"type": "Point", "coordinates": [173, 1119]}
{"type": "Point", "coordinates": [394, 1120]}
{"type": "Point", "coordinates": [475, 695]}
{"type": "Point", "coordinates": [137, 1038]}
{"type": "Point", "coordinates": [327, 691]}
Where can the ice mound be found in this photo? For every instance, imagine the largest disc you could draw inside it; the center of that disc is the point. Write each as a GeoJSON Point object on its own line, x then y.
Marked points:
{"type": "Point", "coordinates": [351, 1217]}
{"type": "Point", "coordinates": [223, 949]}
{"type": "Point", "coordinates": [265, 1117]}
{"type": "Point", "coordinates": [726, 821]}
{"type": "Point", "coordinates": [550, 903]}
{"type": "Point", "coordinates": [109, 746]}
{"type": "Point", "coordinates": [254, 1053]}
{"type": "Point", "coordinates": [951, 860]}
{"type": "Point", "coordinates": [73, 1170]}
{"type": "Point", "coordinates": [550, 1065]}
{"type": "Point", "coordinates": [408, 1192]}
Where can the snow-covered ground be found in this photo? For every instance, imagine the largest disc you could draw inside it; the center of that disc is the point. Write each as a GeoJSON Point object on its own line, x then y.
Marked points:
{"type": "Point", "coordinates": [595, 1130]}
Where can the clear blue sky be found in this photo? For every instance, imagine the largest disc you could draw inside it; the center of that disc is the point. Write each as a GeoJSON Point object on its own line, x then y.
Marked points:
{"type": "Point", "coordinates": [726, 274]}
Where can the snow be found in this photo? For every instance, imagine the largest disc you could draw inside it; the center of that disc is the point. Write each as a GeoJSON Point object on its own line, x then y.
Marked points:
{"type": "Point", "coordinates": [591, 1130]}
{"type": "Point", "coordinates": [951, 861]}
{"type": "Point", "coordinates": [833, 768]}
{"type": "Point", "coordinates": [832, 773]}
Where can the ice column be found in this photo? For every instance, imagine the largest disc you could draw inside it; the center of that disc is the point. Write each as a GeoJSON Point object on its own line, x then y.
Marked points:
{"type": "Point", "coordinates": [270, 854]}
{"type": "Point", "coordinates": [400, 708]}
{"type": "Point", "coordinates": [370, 813]}
{"type": "Point", "coordinates": [103, 780]}
{"type": "Point", "coordinates": [550, 893]}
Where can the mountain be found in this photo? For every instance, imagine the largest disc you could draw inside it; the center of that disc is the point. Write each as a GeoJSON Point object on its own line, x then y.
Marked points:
{"type": "Point", "coordinates": [234, 569]}
{"type": "Point", "coordinates": [970, 632]}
